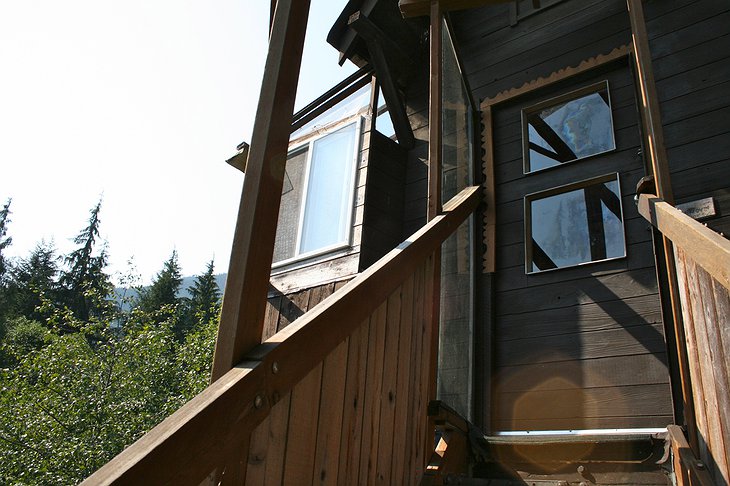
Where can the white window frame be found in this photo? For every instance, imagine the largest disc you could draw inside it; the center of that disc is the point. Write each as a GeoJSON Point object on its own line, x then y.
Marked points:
{"type": "Point", "coordinates": [308, 143]}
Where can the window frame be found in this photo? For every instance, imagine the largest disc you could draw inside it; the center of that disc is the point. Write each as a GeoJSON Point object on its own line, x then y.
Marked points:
{"type": "Point", "coordinates": [560, 99]}
{"type": "Point", "coordinates": [553, 191]}
{"type": "Point", "coordinates": [307, 143]}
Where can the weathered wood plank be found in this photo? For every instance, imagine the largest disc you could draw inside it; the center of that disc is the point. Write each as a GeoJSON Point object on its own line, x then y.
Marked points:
{"type": "Point", "coordinates": [389, 392]}
{"type": "Point", "coordinates": [623, 401]}
{"type": "Point", "coordinates": [279, 425]}
{"type": "Point", "coordinates": [413, 439]}
{"type": "Point", "coordinates": [352, 420]}
{"type": "Point", "coordinates": [329, 430]}
{"type": "Point", "coordinates": [641, 369]}
{"type": "Point", "coordinates": [701, 298]}
{"type": "Point", "coordinates": [373, 396]}
{"type": "Point", "coordinates": [693, 361]}
{"type": "Point", "coordinates": [710, 250]}
{"type": "Point", "coordinates": [402, 396]}
{"type": "Point", "coordinates": [302, 432]}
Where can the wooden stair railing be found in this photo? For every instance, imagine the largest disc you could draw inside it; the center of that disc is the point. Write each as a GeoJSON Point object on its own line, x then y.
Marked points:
{"type": "Point", "coordinates": [337, 397]}
{"type": "Point", "coordinates": [703, 274]}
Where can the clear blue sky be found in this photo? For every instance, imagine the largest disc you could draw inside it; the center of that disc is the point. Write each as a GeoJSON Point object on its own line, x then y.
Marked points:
{"type": "Point", "coordinates": [141, 102]}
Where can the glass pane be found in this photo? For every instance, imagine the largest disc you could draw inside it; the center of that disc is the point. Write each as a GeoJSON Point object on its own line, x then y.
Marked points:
{"type": "Point", "coordinates": [456, 330]}
{"type": "Point", "coordinates": [329, 191]}
{"type": "Point", "coordinates": [569, 130]}
{"type": "Point", "coordinates": [289, 210]}
{"type": "Point", "coordinates": [576, 226]}
{"type": "Point", "coordinates": [353, 104]}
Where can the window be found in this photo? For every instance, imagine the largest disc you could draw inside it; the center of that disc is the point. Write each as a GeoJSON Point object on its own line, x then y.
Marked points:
{"type": "Point", "coordinates": [317, 197]}
{"type": "Point", "coordinates": [574, 224]}
{"type": "Point", "coordinates": [521, 9]}
{"type": "Point", "coordinates": [568, 128]}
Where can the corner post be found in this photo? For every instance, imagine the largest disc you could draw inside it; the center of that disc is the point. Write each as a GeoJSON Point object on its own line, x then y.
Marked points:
{"type": "Point", "coordinates": [651, 117]}
{"type": "Point", "coordinates": [433, 312]}
{"type": "Point", "coordinates": [244, 302]}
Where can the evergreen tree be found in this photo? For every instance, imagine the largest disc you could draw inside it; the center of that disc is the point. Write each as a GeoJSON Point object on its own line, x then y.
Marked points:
{"type": "Point", "coordinates": [5, 241]}
{"type": "Point", "coordinates": [205, 296]}
{"type": "Point", "coordinates": [85, 284]}
{"type": "Point", "coordinates": [31, 279]}
{"type": "Point", "coordinates": [164, 288]}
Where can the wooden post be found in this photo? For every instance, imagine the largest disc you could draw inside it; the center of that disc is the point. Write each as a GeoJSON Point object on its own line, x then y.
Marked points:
{"type": "Point", "coordinates": [244, 303]}
{"type": "Point", "coordinates": [651, 116]}
{"type": "Point", "coordinates": [435, 135]}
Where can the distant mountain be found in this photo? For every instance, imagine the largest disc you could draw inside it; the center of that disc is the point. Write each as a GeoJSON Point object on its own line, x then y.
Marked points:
{"type": "Point", "coordinates": [127, 296]}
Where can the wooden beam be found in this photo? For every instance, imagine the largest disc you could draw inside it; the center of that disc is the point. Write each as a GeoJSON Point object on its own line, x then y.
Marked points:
{"type": "Point", "coordinates": [688, 469]}
{"type": "Point", "coordinates": [707, 248]}
{"type": "Point", "coordinates": [417, 8]}
{"type": "Point", "coordinates": [649, 101]}
{"type": "Point", "coordinates": [435, 128]}
{"type": "Point", "coordinates": [353, 79]}
{"type": "Point", "coordinates": [365, 28]}
{"type": "Point", "coordinates": [435, 190]}
{"type": "Point", "coordinates": [244, 302]}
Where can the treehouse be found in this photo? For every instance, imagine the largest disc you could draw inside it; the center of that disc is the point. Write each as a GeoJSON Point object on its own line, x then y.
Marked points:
{"type": "Point", "coordinates": [494, 255]}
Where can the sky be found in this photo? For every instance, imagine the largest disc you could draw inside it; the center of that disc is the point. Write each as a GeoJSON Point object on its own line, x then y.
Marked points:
{"type": "Point", "coordinates": [139, 103]}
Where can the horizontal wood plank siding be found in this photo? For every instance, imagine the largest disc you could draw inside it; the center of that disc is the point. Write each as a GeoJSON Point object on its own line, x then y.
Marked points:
{"type": "Point", "coordinates": [565, 333]}
{"type": "Point", "coordinates": [690, 48]}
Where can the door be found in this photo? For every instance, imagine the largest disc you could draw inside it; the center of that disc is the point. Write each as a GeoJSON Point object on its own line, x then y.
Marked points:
{"type": "Point", "coordinates": [578, 337]}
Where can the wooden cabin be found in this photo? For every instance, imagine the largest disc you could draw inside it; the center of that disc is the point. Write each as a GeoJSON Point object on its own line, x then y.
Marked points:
{"type": "Point", "coordinates": [494, 255]}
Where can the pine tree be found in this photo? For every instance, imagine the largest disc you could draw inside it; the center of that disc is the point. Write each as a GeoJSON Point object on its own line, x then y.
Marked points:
{"type": "Point", "coordinates": [85, 284]}
{"type": "Point", "coordinates": [5, 241]}
{"type": "Point", "coordinates": [31, 278]}
{"type": "Point", "coordinates": [164, 288]}
{"type": "Point", "coordinates": [205, 296]}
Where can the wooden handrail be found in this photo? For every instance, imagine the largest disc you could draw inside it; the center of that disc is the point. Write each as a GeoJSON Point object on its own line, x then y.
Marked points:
{"type": "Point", "coordinates": [194, 441]}
{"type": "Point", "coordinates": [707, 248]}
{"type": "Point", "coordinates": [688, 469]}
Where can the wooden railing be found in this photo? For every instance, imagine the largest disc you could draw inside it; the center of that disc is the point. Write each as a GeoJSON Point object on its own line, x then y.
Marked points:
{"type": "Point", "coordinates": [703, 275]}
{"type": "Point", "coordinates": [337, 397]}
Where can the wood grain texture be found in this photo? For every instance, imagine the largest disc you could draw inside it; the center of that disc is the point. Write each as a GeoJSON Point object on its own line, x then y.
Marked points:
{"type": "Point", "coordinates": [244, 302]}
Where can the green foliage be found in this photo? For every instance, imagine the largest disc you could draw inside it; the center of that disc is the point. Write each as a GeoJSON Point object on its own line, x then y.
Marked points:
{"type": "Point", "coordinates": [29, 281]}
{"type": "Point", "coordinates": [71, 406]}
{"type": "Point", "coordinates": [164, 288]}
{"type": "Point", "coordinates": [80, 378]}
{"type": "Point", "coordinates": [205, 300]}
{"type": "Point", "coordinates": [5, 240]}
{"type": "Point", "coordinates": [85, 277]}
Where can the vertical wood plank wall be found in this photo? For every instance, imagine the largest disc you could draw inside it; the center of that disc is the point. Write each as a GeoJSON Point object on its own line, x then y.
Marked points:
{"type": "Point", "coordinates": [706, 314]}
{"type": "Point", "coordinates": [360, 416]}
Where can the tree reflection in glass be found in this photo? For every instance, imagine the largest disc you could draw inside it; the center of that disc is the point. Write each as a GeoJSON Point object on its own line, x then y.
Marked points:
{"type": "Point", "coordinates": [563, 131]}
{"type": "Point", "coordinates": [576, 225]}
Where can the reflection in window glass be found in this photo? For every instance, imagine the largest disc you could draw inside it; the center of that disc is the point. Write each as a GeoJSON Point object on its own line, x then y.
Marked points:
{"type": "Point", "coordinates": [575, 225]}
{"type": "Point", "coordinates": [564, 131]}
{"type": "Point", "coordinates": [289, 209]}
{"type": "Point", "coordinates": [454, 379]}
{"type": "Point", "coordinates": [329, 191]}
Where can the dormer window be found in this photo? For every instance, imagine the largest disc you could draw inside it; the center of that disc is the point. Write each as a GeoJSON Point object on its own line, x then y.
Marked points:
{"type": "Point", "coordinates": [317, 197]}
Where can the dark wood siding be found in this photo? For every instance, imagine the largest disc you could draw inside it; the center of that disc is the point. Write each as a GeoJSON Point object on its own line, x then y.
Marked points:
{"type": "Point", "coordinates": [690, 46]}
{"type": "Point", "coordinates": [580, 347]}
{"type": "Point", "coordinates": [382, 223]}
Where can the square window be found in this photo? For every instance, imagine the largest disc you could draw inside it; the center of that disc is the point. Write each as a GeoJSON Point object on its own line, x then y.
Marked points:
{"type": "Point", "coordinates": [317, 197]}
{"type": "Point", "coordinates": [574, 224]}
{"type": "Point", "coordinates": [568, 128]}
